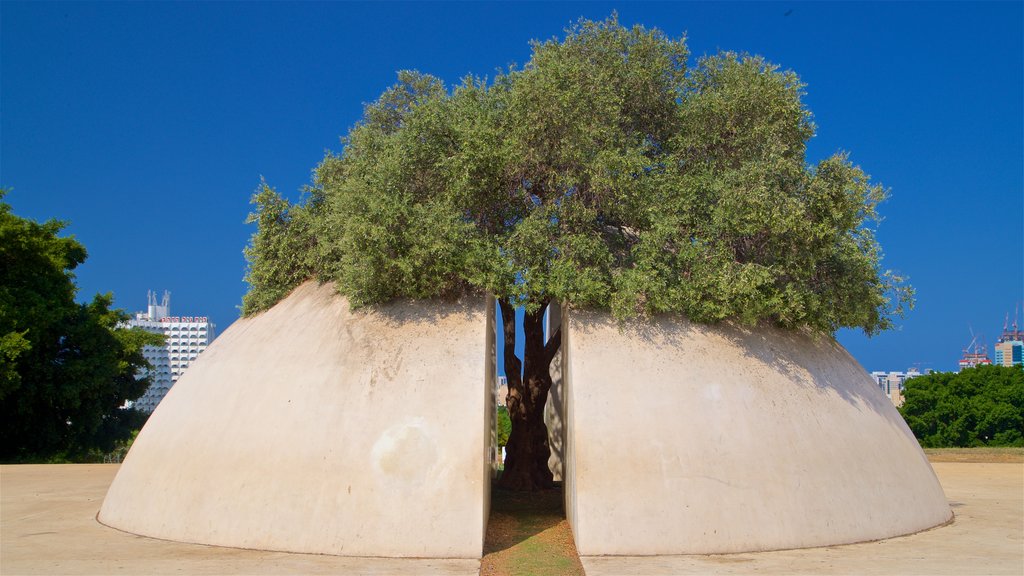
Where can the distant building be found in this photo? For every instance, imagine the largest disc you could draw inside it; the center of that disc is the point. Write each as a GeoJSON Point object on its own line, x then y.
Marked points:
{"type": "Point", "coordinates": [187, 338]}
{"type": "Point", "coordinates": [1009, 353]}
{"type": "Point", "coordinates": [501, 390]}
{"type": "Point", "coordinates": [974, 356]}
{"type": "Point", "coordinates": [893, 383]}
{"type": "Point", "coordinates": [1010, 347]}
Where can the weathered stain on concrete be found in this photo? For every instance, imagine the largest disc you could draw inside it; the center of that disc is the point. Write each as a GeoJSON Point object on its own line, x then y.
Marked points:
{"type": "Point", "coordinates": [315, 428]}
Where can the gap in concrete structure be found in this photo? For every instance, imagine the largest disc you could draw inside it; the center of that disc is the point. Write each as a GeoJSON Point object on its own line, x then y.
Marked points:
{"type": "Point", "coordinates": [554, 409]}
{"type": "Point", "coordinates": [528, 532]}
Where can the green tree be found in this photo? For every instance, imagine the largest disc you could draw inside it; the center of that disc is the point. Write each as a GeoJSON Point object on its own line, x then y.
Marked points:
{"type": "Point", "coordinates": [502, 425]}
{"type": "Point", "coordinates": [282, 252]}
{"type": "Point", "coordinates": [981, 406]}
{"type": "Point", "coordinates": [604, 173]}
{"type": "Point", "coordinates": [65, 368]}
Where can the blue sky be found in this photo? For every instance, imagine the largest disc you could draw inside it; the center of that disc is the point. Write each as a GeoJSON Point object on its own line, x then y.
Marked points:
{"type": "Point", "coordinates": [149, 125]}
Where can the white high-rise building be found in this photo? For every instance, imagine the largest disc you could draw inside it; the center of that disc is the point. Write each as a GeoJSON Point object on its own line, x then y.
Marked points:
{"type": "Point", "coordinates": [187, 337]}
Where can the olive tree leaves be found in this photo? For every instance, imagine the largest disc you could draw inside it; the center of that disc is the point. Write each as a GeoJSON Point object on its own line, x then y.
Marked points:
{"type": "Point", "coordinates": [603, 173]}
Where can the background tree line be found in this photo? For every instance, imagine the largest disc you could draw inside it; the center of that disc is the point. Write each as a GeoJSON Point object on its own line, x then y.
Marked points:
{"type": "Point", "coordinates": [981, 406]}
{"type": "Point", "coordinates": [66, 368]}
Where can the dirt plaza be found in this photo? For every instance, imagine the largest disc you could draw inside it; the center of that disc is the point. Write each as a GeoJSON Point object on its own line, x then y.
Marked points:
{"type": "Point", "coordinates": [48, 526]}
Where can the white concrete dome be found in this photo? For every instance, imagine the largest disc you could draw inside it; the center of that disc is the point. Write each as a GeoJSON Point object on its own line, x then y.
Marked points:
{"type": "Point", "coordinates": [313, 428]}
{"type": "Point", "coordinates": [693, 439]}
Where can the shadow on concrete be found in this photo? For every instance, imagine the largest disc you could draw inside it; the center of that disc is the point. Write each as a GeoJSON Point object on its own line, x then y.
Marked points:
{"type": "Point", "coordinates": [428, 312]}
{"type": "Point", "coordinates": [804, 357]}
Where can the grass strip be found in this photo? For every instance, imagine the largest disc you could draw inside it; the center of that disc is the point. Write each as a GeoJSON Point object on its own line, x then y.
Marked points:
{"type": "Point", "coordinates": [528, 535]}
{"type": "Point", "coordinates": [977, 455]}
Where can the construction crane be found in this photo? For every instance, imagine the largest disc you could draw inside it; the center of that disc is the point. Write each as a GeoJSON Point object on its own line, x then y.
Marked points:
{"type": "Point", "coordinates": [1014, 333]}
{"type": "Point", "coordinates": [974, 353]}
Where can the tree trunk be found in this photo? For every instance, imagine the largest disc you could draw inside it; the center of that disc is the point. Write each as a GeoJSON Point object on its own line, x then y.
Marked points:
{"type": "Point", "coordinates": [527, 450]}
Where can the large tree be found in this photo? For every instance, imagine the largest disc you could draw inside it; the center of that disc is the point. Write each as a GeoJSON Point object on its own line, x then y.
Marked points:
{"type": "Point", "coordinates": [604, 173]}
{"type": "Point", "coordinates": [981, 406]}
{"type": "Point", "coordinates": [65, 368]}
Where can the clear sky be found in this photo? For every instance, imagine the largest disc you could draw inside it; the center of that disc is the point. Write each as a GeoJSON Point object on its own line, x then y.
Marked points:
{"type": "Point", "coordinates": [149, 125]}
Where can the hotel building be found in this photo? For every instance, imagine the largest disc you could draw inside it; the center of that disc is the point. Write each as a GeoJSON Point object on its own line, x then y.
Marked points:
{"type": "Point", "coordinates": [186, 338]}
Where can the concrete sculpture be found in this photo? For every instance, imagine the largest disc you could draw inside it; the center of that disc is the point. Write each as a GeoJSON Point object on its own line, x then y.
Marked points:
{"type": "Point", "coordinates": [314, 428]}
{"type": "Point", "coordinates": [691, 439]}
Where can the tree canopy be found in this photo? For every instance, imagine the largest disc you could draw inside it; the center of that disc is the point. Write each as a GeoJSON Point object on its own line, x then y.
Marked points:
{"type": "Point", "coordinates": [65, 367]}
{"type": "Point", "coordinates": [980, 406]}
{"type": "Point", "coordinates": [606, 172]}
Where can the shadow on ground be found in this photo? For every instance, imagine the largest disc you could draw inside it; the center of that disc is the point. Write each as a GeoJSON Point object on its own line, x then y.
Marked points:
{"type": "Point", "coordinates": [527, 533]}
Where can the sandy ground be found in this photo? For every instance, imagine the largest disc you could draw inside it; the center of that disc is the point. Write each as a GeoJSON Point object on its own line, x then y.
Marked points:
{"type": "Point", "coordinates": [48, 526]}
{"type": "Point", "coordinates": [986, 537]}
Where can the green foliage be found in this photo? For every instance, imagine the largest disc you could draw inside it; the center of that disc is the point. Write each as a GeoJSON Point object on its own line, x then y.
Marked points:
{"type": "Point", "coordinates": [604, 173]}
{"type": "Point", "coordinates": [283, 251]}
{"type": "Point", "coordinates": [503, 425]}
{"type": "Point", "coordinates": [982, 406]}
{"type": "Point", "coordinates": [65, 368]}
{"type": "Point", "coordinates": [121, 448]}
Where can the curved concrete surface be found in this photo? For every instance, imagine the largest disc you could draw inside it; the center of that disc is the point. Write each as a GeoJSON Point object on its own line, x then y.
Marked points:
{"type": "Point", "coordinates": [314, 428]}
{"type": "Point", "coordinates": [688, 439]}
